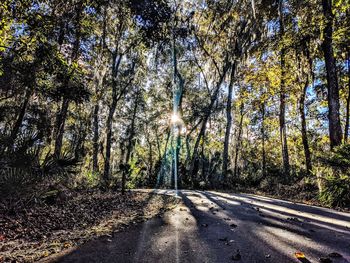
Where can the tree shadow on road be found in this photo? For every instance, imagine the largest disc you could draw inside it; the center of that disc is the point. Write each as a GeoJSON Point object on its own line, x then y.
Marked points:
{"type": "Point", "coordinates": [208, 228]}
{"type": "Point", "coordinates": [272, 224]}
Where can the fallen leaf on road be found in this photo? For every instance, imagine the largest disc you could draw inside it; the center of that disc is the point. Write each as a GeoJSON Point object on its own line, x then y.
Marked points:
{"type": "Point", "coordinates": [299, 255]}
{"type": "Point", "coordinates": [2, 238]}
{"type": "Point", "coordinates": [237, 256]}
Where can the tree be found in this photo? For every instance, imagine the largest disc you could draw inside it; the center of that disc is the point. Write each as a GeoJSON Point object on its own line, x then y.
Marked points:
{"type": "Point", "coordinates": [335, 132]}
{"type": "Point", "coordinates": [94, 85]}
{"type": "Point", "coordinates": [282, 118]}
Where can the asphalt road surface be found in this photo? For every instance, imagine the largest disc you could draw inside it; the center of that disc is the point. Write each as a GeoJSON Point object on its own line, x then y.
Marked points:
{"type": "Point", "coordinates": [218, 227]}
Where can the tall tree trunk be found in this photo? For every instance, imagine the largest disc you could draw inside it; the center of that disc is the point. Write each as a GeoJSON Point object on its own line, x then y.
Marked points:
{"type": "Point", "coordinates": [150, 161]}
{"type": "Point", "coordinates": [307, 153]}
{"type": "Point", "coordinates": [335, 132]}
{"type": "Point", "coordinates": [304, 129]}
{"type": "Point", "coordinates": [282, 113]}
{"type": "Point", "coordinates": [263, 139]}
{"type": "Point", "coordinates": [95, 138]}
{"type": "Point", "coordinates": [194, 160]}
{"type": "Point", "coordinates": [20, 115]}
{"type": "Point", "coordinates": [109, 124]}
{"type": "Point", "coordinates": [60, 123]}
{"type": "Point", "coordinates": [158, 144]}
{"type": "Point", "coordinates": [203, 159]}
{"type": "Point", "coordinates": [109, 141]}
{"type": "Point", "coordinates": [62, 115]}
{"type": "Point", "coordinates": [99, 81]}
{"type": "Point", "coordinates": [130, 141]}
{"type": "Point", "coordinates": [22, 111]}
{"type": "Point", "coordinates": [238, 141]}
{"type": "Point", "coordinates": [347, 116]}
{"type": "Point", "coordinates": [282, 123]}
{"type": "Point", "coordinates": [178, 82]}
{"type": "Point", "coordinates": [188, 151]}
{"type": "Point", "coordinates": [228, 125]}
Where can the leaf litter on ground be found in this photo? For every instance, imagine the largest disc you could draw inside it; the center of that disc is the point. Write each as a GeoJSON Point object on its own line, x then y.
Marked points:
{"type": "Point", "coordinates": [41, 230]}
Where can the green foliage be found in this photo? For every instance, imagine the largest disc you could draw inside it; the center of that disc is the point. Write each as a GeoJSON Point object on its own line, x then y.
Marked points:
{"type": "Point", "coordinates": [136, 176]}
{"type": "Point", "coordinates": [130, 55]}
{"type": "Point", "coordinates": [22, 169]}
{"type": "Point", "coordinates": [336, 191]}
{"type": "Point", "coordinates": [338, 158]}
{"type": "Point", "coordinates": [334, 177]}
{"type": "Point", "coordinates": [88, 180]}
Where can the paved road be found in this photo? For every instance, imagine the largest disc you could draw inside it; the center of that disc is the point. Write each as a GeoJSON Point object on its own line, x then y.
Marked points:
{"type": "Point", "coordinates": [217, 227]}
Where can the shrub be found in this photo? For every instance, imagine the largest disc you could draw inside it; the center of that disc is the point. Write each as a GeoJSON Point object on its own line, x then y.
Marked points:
{"type": "Point", "coordinates": [334, 177]}
{"type": "Point", "coordinates": [336, 191]}
{"type": "Point", "coordinates": [21, 165]}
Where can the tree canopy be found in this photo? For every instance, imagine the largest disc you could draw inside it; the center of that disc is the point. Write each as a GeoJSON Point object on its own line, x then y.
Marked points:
{"type": "Point", "coordinates": [252, 93]}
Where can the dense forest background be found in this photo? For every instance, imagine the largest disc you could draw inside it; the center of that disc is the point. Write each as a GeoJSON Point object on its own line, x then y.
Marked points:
{"type": "Point", "coordinates": [246, 94]}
